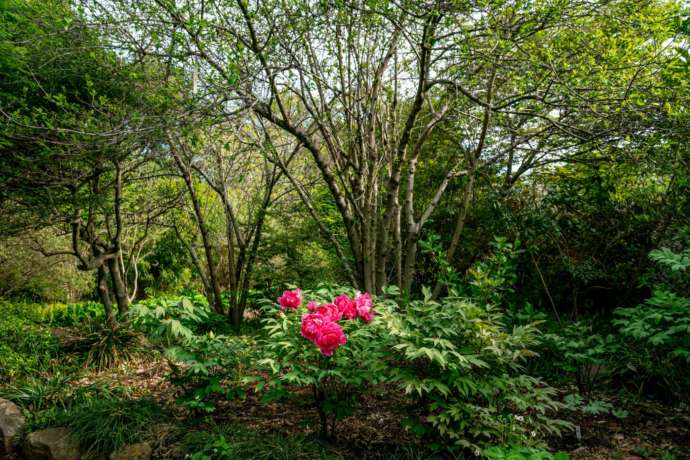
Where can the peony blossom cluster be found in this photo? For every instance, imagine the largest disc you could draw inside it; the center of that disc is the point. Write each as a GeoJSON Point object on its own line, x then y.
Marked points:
{"type": "Point", "coordinates": [320, 325]}
{"type": "Point", "coordinates": [290, 299]}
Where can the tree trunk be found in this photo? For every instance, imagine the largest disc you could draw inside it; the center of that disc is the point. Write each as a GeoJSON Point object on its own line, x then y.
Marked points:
{"type": "Point", "coordinates": [104, 294]}
{"type": "Point", "coordinates": [459, 227]}
{"type": "Point", "coordinates": [119, 287]}
{"type": "Point", "coordinates": [216, 301]}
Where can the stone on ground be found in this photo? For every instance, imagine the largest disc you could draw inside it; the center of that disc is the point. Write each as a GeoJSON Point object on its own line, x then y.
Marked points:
{"type": "Point", "coordinates": [51, 444]}
{"type": "Point", "coordinates": [139, 451]}
{"type": "Point", "coordinates": [11, 423]}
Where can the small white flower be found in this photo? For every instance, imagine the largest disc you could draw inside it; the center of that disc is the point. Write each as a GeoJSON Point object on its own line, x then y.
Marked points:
{"type": "Point", "coordinates": [533, 433]}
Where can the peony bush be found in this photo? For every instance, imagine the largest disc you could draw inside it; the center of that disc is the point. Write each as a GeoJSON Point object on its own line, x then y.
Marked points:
{"type": "Point", "coordinates": [461, 368]}
{"type": "Point", "coordinates": [328, 340]}
{"type": "Point", "coordinates": [320, 326]}
{"type": "Point", "coordinates": [465, 372]}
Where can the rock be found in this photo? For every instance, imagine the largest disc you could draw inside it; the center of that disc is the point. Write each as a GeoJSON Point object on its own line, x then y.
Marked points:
{"type": "Point", "coordinates": [139, 451]}
{"type": "Point", "coordinates": [11, 423]}
{"type": "Point", "coordinates": [51, 444]}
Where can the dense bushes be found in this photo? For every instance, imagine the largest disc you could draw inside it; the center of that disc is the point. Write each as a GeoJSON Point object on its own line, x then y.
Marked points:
{"type": "Point", "coordinates": [465, 369]}
{"type": "Point", "coordinates": [657, 332]}
{"type": "Point", "coordinates": [466, 364]}
{"type": "Point", "coordinates": [644, 348]}
{"type": "Point", "coordinates": [453, 357]}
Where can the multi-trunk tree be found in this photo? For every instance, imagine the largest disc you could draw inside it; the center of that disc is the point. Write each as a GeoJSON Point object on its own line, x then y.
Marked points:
{"type": "Point", "coordinates": [221, 160]}
{"type": "Point", "coordinates": [363, 86]}
{"type": "Point", "coordinates": [78, 138]}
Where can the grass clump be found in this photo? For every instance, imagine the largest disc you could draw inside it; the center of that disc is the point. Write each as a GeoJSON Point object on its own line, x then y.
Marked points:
{"type": "Point", "coordinates": [104, 345]}
{"type": "Point", "coordinates": [106, 425]}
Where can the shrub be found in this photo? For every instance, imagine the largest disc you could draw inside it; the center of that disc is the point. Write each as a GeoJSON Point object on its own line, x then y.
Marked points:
{"type": "Point", "coordinates": [657, 333]}
{"type": "Point", "coordinates": [206, 366]}
{"type": "Point", "coordinates": [170, 321]}
{"type": "Point", "coordinates": [60, 314]}
{"type": "Point", "coordinates": [465, 371]}
{"type": "Point", "coordinates": [579, 354]}
{"type": "Point", "coordinates": [492, 280]}
{"type": "Point", "coordinates": [333, 346]}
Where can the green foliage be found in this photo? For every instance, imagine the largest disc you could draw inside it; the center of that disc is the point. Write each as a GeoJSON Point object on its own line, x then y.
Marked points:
{"type": "Point", "coordinates": [465, 369]}
{"type": "Point", "coordinates": [38, 394]}
{"type": "Point", "coordinates": [492, 280]}
{"type": "Point", "coordinates": [105, 425]}
{"type": "Point", "coordinates": [207, 366]}
{"type": "Point", "coordinates": [204, 364]}
{"type": "Point", "coordinates": [171, 320]}
{"type": "Point", "coordinates": [575, 352]}
{"type": "Point", "coordinates": [168, 268]}
{"type": "Point", "coordinates": [674, 261]}
{"type": "Point", "coordinates": [238, 442]}
{"type": "Point", "coordinates": [575, 402]}
{"type": "Point", "coordinates": [657, 333]}
{"type": "Point", "coordinates": [27, 348]}
{"type": "Point", "coordinates": [29, 275]}
{"type": "Point", "coordinates": [103, 345]}
{"type": "Point", "coordinates": [521, 453]}
{"type": "Point", "coordinates": [73, 314]}
{"type": "Point", "coordinates": [48, 399]}
{"type": "Point", "coordinates": [433, 247]}
{"type": "Point", "coordinates": [336, 381]}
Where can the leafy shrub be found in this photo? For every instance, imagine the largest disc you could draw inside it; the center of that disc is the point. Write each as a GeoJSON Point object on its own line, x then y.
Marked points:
{"type": "Point", "coordinates": [492, 280]}
{"type": "Point", "coordinates": [103, 345]}
{"type": "Point", "coordinates": [575, 402]}
{"type": "Point", "coordinates": [657, 333]}
{"type": "Point", "coordinates": [576, 352]}
{"type": "Point", "coordinates": [171, 321]}
{"type": "Point", "coordinates": [106, 424]}
{"type": "Point", "coordinates": [446, 274]}
{"type": "Point", "coordinates": [205, 366]}
{"type": "Point", "coordinates": [521, 453]}
{"type": "Point", "coordinates": [337, 371]}
{"type": "Point", "coordinates": [464, 369]}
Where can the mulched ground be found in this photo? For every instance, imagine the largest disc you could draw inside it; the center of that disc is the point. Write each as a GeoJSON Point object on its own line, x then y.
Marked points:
{"type": "Point", "coordinates": [650, 431]}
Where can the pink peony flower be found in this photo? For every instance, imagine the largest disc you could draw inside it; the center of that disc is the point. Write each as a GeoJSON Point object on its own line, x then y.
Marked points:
{"type": "Point", "coordinates": [312, 306]}
{"type": "Point", "coordinates": [331, 312]}
{"type": "Point", "coordinates": [365, 306]}
{"type": "Point", "coordinates": [330, 337]}
{"type": "Point", "coordinates": [290, 299]}
{"type": "Point", "coordinates": [311, 325]}
{"type": "Point", "coordinates": [346, 305]}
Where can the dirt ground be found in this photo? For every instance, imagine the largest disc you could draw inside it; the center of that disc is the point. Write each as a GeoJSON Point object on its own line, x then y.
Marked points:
{"type": "Point", "coordinates": [651, 430]}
